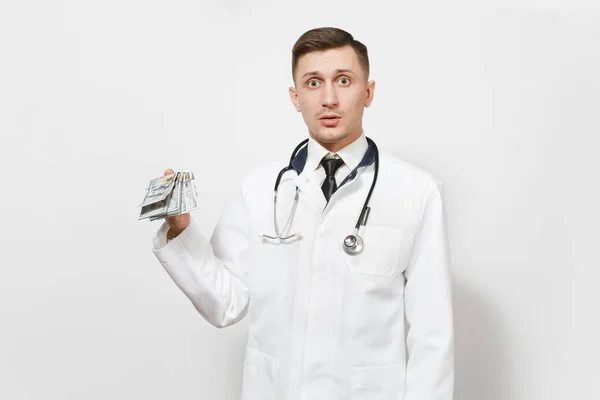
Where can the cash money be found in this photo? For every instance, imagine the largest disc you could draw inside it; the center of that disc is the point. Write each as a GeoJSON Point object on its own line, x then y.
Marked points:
{"type": "Point", "coordinates": [169, 195]}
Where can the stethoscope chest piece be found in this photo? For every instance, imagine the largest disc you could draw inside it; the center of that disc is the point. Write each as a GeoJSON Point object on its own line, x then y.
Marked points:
{"type": "Point", "coordinates": [353, 244]}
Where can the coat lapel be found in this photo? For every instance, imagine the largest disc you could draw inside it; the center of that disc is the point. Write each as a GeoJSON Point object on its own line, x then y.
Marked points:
{"type": "Point", "coordinates": [310, 188]}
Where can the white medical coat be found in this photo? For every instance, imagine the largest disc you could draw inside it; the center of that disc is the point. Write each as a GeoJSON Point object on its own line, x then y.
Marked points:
{"type": "Point", "coordinates": [326, 325]}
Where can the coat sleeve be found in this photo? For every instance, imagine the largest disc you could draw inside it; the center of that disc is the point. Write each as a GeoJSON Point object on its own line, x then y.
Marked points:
{"type": "Point", "coordinates": [212, 274]}
{"type": "Point", "coordinates": [428, 307]}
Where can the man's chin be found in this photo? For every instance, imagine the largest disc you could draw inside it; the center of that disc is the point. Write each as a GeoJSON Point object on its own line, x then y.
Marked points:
{"type": "Point", "coordinates": [330, 135]}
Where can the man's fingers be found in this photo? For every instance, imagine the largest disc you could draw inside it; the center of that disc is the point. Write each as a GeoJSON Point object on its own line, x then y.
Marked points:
{"type": "Point", "coordinates": [169, 172]}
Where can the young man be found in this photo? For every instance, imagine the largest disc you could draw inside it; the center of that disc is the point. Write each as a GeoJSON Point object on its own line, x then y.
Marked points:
{"type": "Point", "coordinates": [327, 314]}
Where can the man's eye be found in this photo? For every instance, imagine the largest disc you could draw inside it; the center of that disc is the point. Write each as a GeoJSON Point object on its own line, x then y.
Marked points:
{"type": "Point", "coordinates": [312, 83]}
{"type": "Point", "coordinates": [344, 81]}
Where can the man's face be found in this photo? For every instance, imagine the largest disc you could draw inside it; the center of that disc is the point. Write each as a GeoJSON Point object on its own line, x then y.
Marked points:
{"type": "Point", "coordinates": [331, 91]}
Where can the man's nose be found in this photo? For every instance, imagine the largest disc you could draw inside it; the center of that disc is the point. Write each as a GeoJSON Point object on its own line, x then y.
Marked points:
{"type": "Point", "coordinates": [329, 98]}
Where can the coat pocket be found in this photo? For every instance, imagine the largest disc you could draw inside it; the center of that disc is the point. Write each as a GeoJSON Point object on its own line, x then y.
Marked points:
{"type": "Point", "coordinates": [377, 383]}
{"type": "Point", "coordinates": [381, 252]}
{"type": "Point", "coordinates": [259, 381]}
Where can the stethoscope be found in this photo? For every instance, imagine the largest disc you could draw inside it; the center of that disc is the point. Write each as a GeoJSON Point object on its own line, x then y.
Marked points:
{"type": "Point", "coordinates": [353, 244]}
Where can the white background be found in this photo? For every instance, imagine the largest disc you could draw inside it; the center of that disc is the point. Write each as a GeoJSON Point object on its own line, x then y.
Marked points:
{"type": "Point", "coordinates": [500, 100]}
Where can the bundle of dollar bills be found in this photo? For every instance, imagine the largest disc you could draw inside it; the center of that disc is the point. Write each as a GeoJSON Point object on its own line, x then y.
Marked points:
{"type": "Point", "coordinates": [169, 195]}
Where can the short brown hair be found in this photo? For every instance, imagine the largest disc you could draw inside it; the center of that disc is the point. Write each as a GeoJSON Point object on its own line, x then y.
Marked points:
{"type": "Point", "coordinates": [320, 39]}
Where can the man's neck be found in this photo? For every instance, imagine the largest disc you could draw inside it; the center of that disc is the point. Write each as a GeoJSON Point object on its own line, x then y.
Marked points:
{"type": "Point", "coordinates": [334, 147]}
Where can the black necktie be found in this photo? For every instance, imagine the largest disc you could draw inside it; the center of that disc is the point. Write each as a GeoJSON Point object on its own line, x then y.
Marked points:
{"type": "Point", "coordinates": [330, 165]}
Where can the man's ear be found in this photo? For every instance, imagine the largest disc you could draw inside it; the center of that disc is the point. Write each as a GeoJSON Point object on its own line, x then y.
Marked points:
{"type": "Point", "coordinates": [370, 93]}
{"type": "Point", "coordinates": [294, 98]}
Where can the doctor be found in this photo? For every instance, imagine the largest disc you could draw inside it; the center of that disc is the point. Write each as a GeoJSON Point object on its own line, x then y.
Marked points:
{"type": "Point", "coordinates": [327, 323]}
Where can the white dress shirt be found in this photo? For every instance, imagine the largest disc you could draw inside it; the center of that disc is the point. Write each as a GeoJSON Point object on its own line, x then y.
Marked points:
{"type": "Point", "coordinates": [352, 154]}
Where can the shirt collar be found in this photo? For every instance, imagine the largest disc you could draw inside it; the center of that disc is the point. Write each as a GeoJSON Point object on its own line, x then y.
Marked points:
{"type": "Point", "coordinates": [352, 154]}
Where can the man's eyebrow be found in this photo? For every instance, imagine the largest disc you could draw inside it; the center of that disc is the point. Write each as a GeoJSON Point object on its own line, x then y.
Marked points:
{"type": "Point", "coordinates": [337, 71]}
{"type": "Point", "coordinates": [343, 71]}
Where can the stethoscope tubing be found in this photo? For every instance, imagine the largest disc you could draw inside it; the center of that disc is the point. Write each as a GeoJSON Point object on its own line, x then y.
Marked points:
{"type": "Point", "coordinates": [353, 244]}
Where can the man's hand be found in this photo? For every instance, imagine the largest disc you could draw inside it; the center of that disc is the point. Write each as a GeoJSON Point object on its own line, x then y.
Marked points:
{"type": "Point", "coordinates": [177, 223]}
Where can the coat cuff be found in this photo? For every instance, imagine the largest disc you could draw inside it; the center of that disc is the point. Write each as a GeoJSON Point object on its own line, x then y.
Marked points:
{"type": "Point", "coordinates": [189, 238]}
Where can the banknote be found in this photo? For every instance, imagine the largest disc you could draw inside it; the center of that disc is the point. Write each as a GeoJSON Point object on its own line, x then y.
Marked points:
{"type": "Point", "coordinates": [169, 195]}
